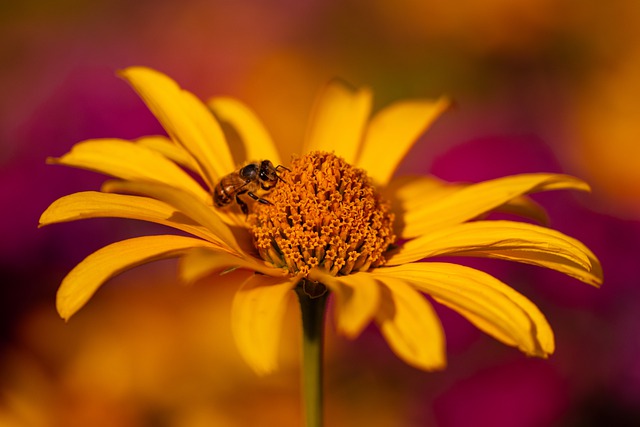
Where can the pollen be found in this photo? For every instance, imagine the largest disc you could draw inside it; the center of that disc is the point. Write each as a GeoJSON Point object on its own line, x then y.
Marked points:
{"type": "Point", "coordinates": [323, 213]}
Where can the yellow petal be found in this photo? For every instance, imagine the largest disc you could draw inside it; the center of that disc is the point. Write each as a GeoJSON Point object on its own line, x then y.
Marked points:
{"type": "Point", "coordinates": [489, 304]}
{"type": "Point", "coordinates": [477, 199]}
{"type": "Point", "coordinates": [182, 157]}
{"type": "Point", "coordinates": [257, 313]}
{"type": "Point", "coordinates": [592, 276]}
{"type": "Point", "coordinates": [413, 191]}
{"type": "Point", "coordinates": [393, 131]}
{"type": "Point", "coordinates": [170, 150]}
{"type": "Point", "coordinates": [85, 279]}
{"type": "Point", "coordinates": [514, 241]}
{"type": "Point", "coordinates": [184, 203]}
{"type": "Point", "coordinates": [199, 263]}
{"type": "Point", "coordinates": [129, 161]}
{"type": "Point", "coordinates": [257, 142]}
{"type": "Point", "coordinates": [525, 207]}
{"type": "Point", "coordinates": [357, 297]}
{"type": "Point", "coordinates": [92, 204]}
{"type": "Point", "coordinates": [410, 325]}
{"type": "Point", "coordinates": [338, 121]}
{"type": "Point", "coordinates": [410, 193]}
{"type": "Point", "coordinates": [186, 119]}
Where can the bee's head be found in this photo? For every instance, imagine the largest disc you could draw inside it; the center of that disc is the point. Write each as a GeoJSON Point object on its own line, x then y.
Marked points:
{"type": "Point", "coordinates": [267, 172]}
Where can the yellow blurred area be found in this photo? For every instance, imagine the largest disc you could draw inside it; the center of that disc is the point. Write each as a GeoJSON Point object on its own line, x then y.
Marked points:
{"type": "Point", "coordinates": [608, 134]}
{"type": "Point", "coordinates": [148, 351]}
{"type": "Point", "coordinates": [605, 113]}
{"type": "Point", "coordinates": [476, 25]}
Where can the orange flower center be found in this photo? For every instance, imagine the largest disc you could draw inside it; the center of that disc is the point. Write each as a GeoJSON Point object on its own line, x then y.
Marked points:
{"type": "Point", "coordinates": [324, 213]}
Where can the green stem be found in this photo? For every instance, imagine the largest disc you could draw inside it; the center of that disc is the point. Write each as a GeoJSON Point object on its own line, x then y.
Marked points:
{"type": "Point", "coordinates": [313, 298]}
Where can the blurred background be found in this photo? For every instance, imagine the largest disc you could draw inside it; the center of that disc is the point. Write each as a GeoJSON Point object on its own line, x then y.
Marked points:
{"type": "Point", "coordinates": [539, 85]}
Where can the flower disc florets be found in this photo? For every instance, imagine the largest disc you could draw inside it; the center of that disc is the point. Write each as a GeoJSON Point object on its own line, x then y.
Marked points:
{"type": "Point", "coordinates": [324, 213]}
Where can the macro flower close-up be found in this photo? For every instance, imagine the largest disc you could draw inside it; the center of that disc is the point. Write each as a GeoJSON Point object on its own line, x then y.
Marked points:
{"type": "Point", "coordinates": [332, 220]}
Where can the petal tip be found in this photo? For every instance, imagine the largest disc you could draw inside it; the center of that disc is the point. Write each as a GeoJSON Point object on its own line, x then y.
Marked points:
{"type": "Point", "coordinates": [134, 69]}
{"type": "Point", "coordinates": [446, 103]}
{"type": "Point", "coordinates": [263, 370]}
{"type": "Point", "coordinates": [440, 365]}
{"type": "Point", "coordinates": [63, 311]}
{"type": "Point", "coordinates": [539, 353]}
{"type": "Point", "coordinates": [350, 333]}
{"type": "Point", "coordinates": [141, 77]}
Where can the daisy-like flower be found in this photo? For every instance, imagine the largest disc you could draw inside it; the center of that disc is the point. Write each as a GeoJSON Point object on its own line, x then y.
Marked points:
{"type": "Point", "coordinates": [335, 221]}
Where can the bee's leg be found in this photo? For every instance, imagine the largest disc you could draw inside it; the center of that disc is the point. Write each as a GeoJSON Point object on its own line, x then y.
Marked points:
{"type": "Point", "coordinates": [259, 199]}
{"type": "Point", "coordinates": [243, 206]}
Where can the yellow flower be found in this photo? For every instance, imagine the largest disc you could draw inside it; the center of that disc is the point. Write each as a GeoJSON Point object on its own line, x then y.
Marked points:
{"type": "Point", "coordinates": [332, 220]}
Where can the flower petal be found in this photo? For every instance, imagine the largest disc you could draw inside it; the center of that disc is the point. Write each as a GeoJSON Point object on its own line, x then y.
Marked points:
{"type": "Point", "coordinates": [85, 279]}
{"type": "Point", "coordinates": [93, 204]}
{"type": "Point", "coordinates": [392, 132]}
{"type": "Point", "coordinates": [129, 161]}
{"type": "Point", "coordinates": [527, 208]}
{"type": "Point", "coordinates": [188, 205]}
{"type": "Point", "coordinates": [410, 325]}
{"type": "Point", "coordinates": [408, 194]}
{"type": "Point", "coordinates": [338, 121]}
{"type": "Point", "coordinates": [257, 141]}
{"type": "Point", "coordinates": [171, 151]}
{"type": "Point", "coordinates": [514, 241]}
{"type": "Point", "coordinates": [489, 304]}
{"type": "Point", "coordinates": [357, 298]}
{"type": "Point", "coordinates": [202, 262]}
{"type": "Point", "coordinates": [414, 191]}
{"type": "Point", "coordinates": [257, 313]}
{"type": "Point", "coordinates": [476, 199]}
{"type": "Point", "coordinates": [185, 118]}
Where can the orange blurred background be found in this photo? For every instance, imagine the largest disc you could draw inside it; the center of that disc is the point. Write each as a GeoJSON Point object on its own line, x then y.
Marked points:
{"type": "Point", "coordinates": [549, 86]}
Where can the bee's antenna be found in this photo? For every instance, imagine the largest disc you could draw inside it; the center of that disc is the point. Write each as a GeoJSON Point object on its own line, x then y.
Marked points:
{"type": "Point", "coordinates": [282, 167]}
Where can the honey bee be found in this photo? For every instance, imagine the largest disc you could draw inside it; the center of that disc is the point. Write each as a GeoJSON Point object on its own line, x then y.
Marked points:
{"type": "Point", "coordinates": [247, 180]}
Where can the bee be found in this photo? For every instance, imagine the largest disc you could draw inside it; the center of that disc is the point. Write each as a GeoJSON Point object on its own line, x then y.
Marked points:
{"type": "Point", "coordinates": [247, 180]}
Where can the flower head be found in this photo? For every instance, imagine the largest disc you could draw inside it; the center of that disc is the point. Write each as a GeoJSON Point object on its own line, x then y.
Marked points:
{"type": "Point", "coordinates": [326, 214]}
{"type": "Point", "coordinates": [332, 218]}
